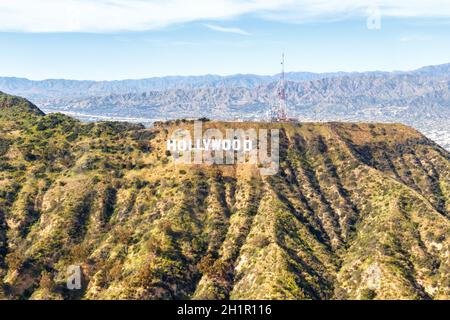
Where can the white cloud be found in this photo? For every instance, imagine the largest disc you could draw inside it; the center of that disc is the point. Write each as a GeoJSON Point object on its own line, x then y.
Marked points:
{"type": "Point", "coordinates": [227, 30]}
{"type": "Point", "coordinates": [135, 15]}
{"type": "Point", "coordinates": [311, 10]}
{"type": "Point", "coordinates": [119, 15]}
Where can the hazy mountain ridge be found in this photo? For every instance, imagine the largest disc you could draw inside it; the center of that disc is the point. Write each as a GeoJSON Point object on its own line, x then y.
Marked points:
{"type": "Point", "coordinates": [420, 101]}
{"type": "Point", "coordinates": [358, 92]}
{"type": "Point", "coordinates": [61, 88]}
{"type": "Point", "coordinates": [420, 98]}
{"type": "Point", "coordinates": [357, 211]}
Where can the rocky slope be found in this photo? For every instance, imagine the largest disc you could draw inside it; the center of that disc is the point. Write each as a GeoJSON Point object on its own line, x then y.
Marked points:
{"type": "Point", "coordinates": [357, 211]}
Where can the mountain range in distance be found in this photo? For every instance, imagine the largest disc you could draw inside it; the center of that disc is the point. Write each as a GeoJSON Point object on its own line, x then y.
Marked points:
{"type": "Point", "coordinates": [62, 88]}
{"type": "Point", "coordinates": [420, 98]}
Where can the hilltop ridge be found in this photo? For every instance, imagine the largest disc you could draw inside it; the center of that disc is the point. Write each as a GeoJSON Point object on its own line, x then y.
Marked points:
{"type": "Point", "coordinates": [15, 105]}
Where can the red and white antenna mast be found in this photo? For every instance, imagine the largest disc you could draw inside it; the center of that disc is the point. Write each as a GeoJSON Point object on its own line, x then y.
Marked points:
{"type": "Point", "coordinates": [282, 107]}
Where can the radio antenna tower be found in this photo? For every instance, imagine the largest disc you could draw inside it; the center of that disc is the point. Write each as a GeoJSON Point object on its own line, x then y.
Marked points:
{"type": "Point", "coordinates": [278, 113]}
{"type": "Point", "coordinates": [282, 107]}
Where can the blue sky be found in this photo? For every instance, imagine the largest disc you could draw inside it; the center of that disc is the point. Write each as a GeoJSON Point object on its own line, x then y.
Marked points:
{"type": "Point", "coordinates": [237, 37]}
